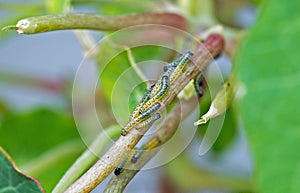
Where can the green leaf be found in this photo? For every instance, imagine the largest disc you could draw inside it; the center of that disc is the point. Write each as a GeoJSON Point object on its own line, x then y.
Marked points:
{"type": "Point", "coordinates": [12, 180]}
{"type": "Point", "coordinates": [57, 6]}
{"type": "Point", "coordinates": [28, 135]}
{"type": "Point", "coordinates": [268, 67]}
{"type": "Point", "coordinates": [122, 7]}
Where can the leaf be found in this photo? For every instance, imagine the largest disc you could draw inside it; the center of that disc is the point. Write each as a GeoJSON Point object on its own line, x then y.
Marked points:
{"type": "Point", "coordinates": [12, 180]}
{"type": "Point", "coordinates": [57, 6]}
{"type": "Point", "coordinates": [268, 67]}
{"type": "Point", "coordinates": [28, 135]}
{"type": "Point", "coordinates": [123, 7]}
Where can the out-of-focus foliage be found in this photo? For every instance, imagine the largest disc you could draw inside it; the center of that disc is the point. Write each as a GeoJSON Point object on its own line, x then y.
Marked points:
{"type": "Point", "coordinates": [28, 135]}
{"type": "Point", "coordinates": [121, 7]}
{"type": "Point", "coordinates": [268, 67]}
{"type": "Point", "coordinates": [12, 180]}
{"type": "Point", "coordinates": [57, 6]}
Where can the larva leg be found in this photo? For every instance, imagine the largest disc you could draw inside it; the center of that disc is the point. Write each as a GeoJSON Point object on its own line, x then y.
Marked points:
{"type": "Point", "coordinates": [149, 145]}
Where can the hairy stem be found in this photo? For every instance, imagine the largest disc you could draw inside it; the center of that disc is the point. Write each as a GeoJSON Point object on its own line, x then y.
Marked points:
{"type": "Point", "coordinates": [46, 23]}
{"type": "Point", "coordinates": [213, 46]}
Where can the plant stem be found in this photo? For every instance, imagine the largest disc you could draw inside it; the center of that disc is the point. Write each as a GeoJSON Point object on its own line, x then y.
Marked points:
{"type": "Point", "coordinates": [165, 130]}
{"type": "Point", "coordinates": [213, 46]}
{"type": "Point", "coordinates": [46, 23]}
{"type": "Point", "coordinates": [87, 43]}
{"type": "Point", "coordinates": [87, 158]}
{"type": "Point", "coordinates": [131, 60]}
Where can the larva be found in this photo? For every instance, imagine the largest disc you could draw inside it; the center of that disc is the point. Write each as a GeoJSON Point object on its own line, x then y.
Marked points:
{"type": "Point", "coordinates": [134, 122]}
{"type": "Point", "coordinates": [149, 145]}
{"type": "Point", "coordinates": [182, 63]}
{"type": "Point", "coordinates": [160, 93]}
{"type": "Point", "coordinates": [120, 168]}
{"type": "Point", "coordinates": [146, 97]}
{"type": "Point", "coordinates": [148, 121]}
{"type": "Point", "coordinates": [170, 67]}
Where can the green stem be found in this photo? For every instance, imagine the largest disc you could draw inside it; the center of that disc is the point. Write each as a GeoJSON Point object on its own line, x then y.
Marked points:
{"type": "Point", "coordinates": [47, 159]}
{"type": "Point", "coordinates": [46, 23]}
{"type": "Point", "coordinates": [87, 158]}
{"type": "Point", "coordinates": [131, 60]}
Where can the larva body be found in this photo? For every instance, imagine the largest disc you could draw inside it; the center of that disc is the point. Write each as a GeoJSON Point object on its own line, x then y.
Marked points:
{"type": "Point", "coordinates": [145, 115]}
{"type": "Point", "coordinates": [182, 63]}
{"type": "Point", "coordinates": [150, 101]}
{"type": "Point", "coordinates": [120, 168]}
{"type": "Point", "coordinates": [146, 97]}
{"type": "Point", "coordinates": [148, 121]}
{"type": "Point", "coordinates": [160, 93]}
{"type": "Point", "coordinates": [168, 69]}
{"type": "Point", "coordinates": [149, 145]}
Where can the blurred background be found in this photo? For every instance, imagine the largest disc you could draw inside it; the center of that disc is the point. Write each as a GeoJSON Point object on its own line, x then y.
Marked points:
{"type": "Point", "coordinates": [36, 77]}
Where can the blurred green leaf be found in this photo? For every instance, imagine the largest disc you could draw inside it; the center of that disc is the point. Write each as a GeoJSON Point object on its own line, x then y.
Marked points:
{"type": "Point", "coordinates": [12, 180]}
{"type": "Point", "coordinates": [28, 135]}
{"type": "Point", "coordinates": [268, 66]}
{"type": "Point", "coordinates": [120, 7]}
{"type": "Point", "coordinates": [57, 6]}
{"type": "Point", "coordinates": [227, 133]}
{"type": "Point", "coordinates": [117, 85]}
{"type": "Point", "coordinates": [258, 1]}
